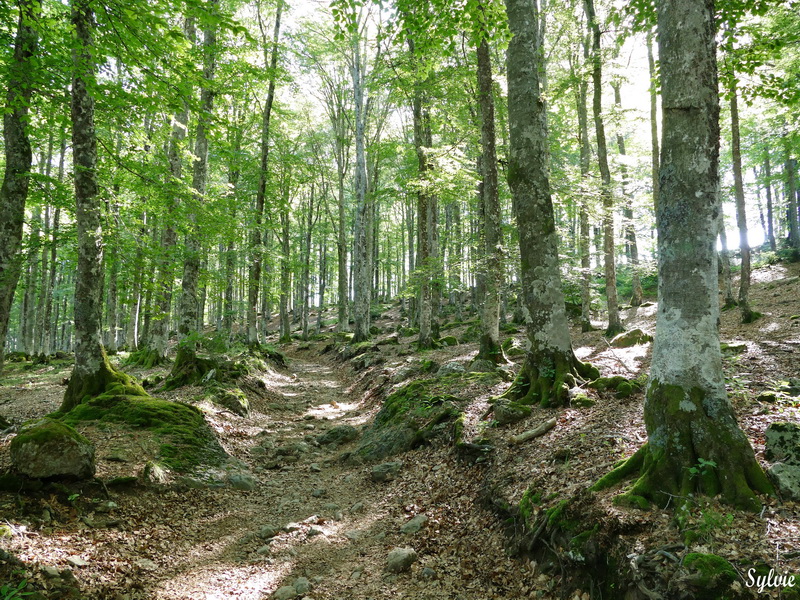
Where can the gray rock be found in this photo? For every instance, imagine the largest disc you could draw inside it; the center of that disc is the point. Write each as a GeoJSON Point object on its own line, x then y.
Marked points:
{"type": "Point", "coordinates": [404, 373]}
{"type": "Point", "coordinates": [51, 572]}
{"type": "Point", "coordinates": [400, 560]}
{"type": "Point", "coordinates": [782, 443]}
{"type": "Point", "coordinates": [354, 535]}
{"type": "Point", "coordinates": [242, 481]}
{"type": "Point", "coordinates": [268, 531]}
{"type": "Point", "coordinates": [287, 592]}
{"type": "Point", "coordinates": [427, 573]}
{"type": "Point", "coordinates": [314, 468]}
{"type": "Point", "coordinates": [386, 471]}
{"type": "Point", "coordinates": [77, 561]}
{"type": "Point", "coordinates": [235, 401]}
{"type": "Point", "coordinates": [315, 531]}
{"type": "Point", "coordinates": [626, 339]}
{"type": "Point", "coordinates": [482, 366]}
{"type": "Point", "coordinates": [787, 480]}
{"type": "Point", "coordinates": [302, 585]}
{"type": "Point", "coordinates": [414, 525]}
{"type": "Point", "coordinates": [451, 367]}
{"type": "Point", "coordinates": [263, 550]}
{"type": "Point", "coordinates": [318, 493]}
{"type": "Point", "coordinates": [341, 434]}
{"type": "Point", "coordinates": [357, 507]}
{"type": "Point", "coordinates": [510, 412]}
{"type": "Point", "coordinates": [49, 448]}
{"type": "Point", "coordinates": [146, 564]}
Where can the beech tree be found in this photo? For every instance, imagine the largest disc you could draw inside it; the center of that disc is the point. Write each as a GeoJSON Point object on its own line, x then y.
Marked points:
{"type": "Point", "coordinates": [14, 190]}
{"type": "Point", "coordinates": [687, 413]}
{"type": "Point", "coordinates": [550, 365]}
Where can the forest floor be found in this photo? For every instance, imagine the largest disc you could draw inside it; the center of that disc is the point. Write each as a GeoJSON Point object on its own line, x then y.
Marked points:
{"type": "Point", "coordinates": [335, 526]}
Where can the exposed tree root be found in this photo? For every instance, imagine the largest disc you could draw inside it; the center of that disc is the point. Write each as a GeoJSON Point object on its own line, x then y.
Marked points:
{"type": "Point", "coordinates": [146, 358]}
{"type": "Point", "coordinates": [547, 381]}
{"type": "Point", "coordinates": [83, 387]}
{"type": "Point", "coordinates": [188, 369]}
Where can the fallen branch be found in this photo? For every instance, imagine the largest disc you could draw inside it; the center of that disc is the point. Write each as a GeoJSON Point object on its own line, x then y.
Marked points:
{"type": "Point", "coordinates": [533, 433]}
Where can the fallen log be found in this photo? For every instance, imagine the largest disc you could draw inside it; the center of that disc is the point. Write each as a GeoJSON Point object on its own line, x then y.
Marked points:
{"type": "Point", "coordinates": [533, 433]}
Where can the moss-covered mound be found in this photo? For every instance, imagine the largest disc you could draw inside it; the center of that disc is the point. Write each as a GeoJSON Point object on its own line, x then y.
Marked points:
{"type": "Point", "coordinates": [186, 439]}
{"type": "Point", "coordinates": [710, 575]}
{"type": "Point", "coordinates": [411, 416]}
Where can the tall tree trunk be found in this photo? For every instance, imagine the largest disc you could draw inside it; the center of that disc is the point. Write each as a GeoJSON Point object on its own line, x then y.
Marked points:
{"type": "Point", "coordinates": [323, 279]}
{"type": "Point", "coordinates": [186, 366]}
{"type": "Point", "coordinates": [550, 365]}
{"type": "Point", "coordinates": [790, 170]}
{"type": "Point", "coordinates": [768, 188]}
{"type": "Point", "coordinates": [362, 271]}
{"type": "Point", "coordinates": [39, 327]}
{"type": "Point", "coordinates": [285, 335]}
{"type": "Point", "coordinates": [581, 96]}
{"type": "Point", "coordinates": [92, 373]}
{"type": "Point", "coordinates": [725, 258]}
{"type": "Point", "coordinates": [654, 146]}
{"type": "Point", "coordinates": [423, 260]}
{"type": "Point", "coordinates": [256, 236]}
{"type": "Point", "coordinates": [50, 322]}
{"type": "Point", "coordinates": [493, 240]}
{"type": "Point", "coordinates": [28, 310]}
{"type": "Point", "coordinates": [14, 190]}
{"type": "Point", "coordinates": [627, 211]}
{"type": "Point", "coordinates": [305, 279]}
{"type": "Point", "coordinates": [748, 314]}
{"type": "Point", "coordinates": [609, 257]}
{"type": "Point", "coordinates": [687, 413]}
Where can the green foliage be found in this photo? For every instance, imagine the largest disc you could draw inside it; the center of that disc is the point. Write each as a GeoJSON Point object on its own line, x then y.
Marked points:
{"type": "Point", "coordinates": [9, 591]}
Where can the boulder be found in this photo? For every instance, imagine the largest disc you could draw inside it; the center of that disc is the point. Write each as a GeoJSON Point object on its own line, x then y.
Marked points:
{"type": "Point", "coordinates": [400, 560]}
{"type": "Point", "coordinates": [341, 434]}
{"type": "Point", "coordinates": [451, 367]}
{"type": "Point", "coordinates": [506, 412]}
{"type": "Point", "coordinates": [49, 448]}
{"type": "Point", "coordinates": [630, 338]}
{"type": "Point", "coordinates": [287, 592]}
{"type": "Point", "coordinates": [782, 443]}
{"type": "Point", "coordinates": [481, 365]}
{"type": "Point", "coordinates": [386, 471]}
{"type": "Point", "coordinates": [414, 525]}
{"type": "Point", "coordinates": [787, 480]}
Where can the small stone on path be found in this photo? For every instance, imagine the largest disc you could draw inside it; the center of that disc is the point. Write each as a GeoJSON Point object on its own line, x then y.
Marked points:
{"type": "Point", "coordinates": [414, 525]}
{"type": "Point", "coordinates": [400, 560]}
{"type": "Point", "coordinates": [287, 592]}
{"type": "Point", "coordinates": [386, 471]}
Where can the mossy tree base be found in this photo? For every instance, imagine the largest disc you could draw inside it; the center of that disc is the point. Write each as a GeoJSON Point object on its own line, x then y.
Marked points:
{"type": "Point", "coordinates": [188, 369]}
{"type": "Point", "coordinates": [147, 358]}
{"type": "Point", "coordinates": [613, 330]}
{"type": "Point", "coordinates": [695, 447]}
{"type": "Point", "coordinates": [547, 380]}
{"type": "Point", "coordinates": [491, 350]}
{"type": "Point", "coordinates": [106, 379]}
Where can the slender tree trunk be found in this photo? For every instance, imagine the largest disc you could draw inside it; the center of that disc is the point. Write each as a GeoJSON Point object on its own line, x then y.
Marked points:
{"type": "Point", "coordinates": [28, 311]}
{"type": "Point", "coordinates": [748, 314]}
{"type": "Point", "coordinates": [305, 279]}
{"type": "Point", "coordinates": [14, 190]}
{"type": "Point", "coordinates": [790, 169]}
{"type": "Point", "coordinates": [493, 241]}
{"type": "Point", "coordinates": [550, 365]}
{"type": "Point", "coordinates": [256, 235]}
{"type": "Point", "coordinates": [654, 146]}
{"type": "Point", "coordinates": [768, 189]}
{"type": "Point", "coordinates": [286, 273]}
{"type": "Point", "coordinates": [323, 279]}
{"type": "Point", "coordinates": [630, 230]}
{"type": "Point", "coordinates": [583, 211]}
{"type": "Point", "coordinates": [362, 271]}
{"type": "Point", "coordinates": [423, 261]}
{"type": "Point", "coordinates": [725, 258]}
{"type": "Point", "coordinates": [687, 412]}
{"type": "Point", "coordinates": [92, 373]}
{"type": "Point", "coordinates": [610, 269]}
{"type": "Point", "coordinates": [186, 366]}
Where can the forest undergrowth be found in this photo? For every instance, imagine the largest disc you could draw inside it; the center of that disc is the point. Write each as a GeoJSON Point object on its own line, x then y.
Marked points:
{"type": "Point", "coordinates": [295, 506]}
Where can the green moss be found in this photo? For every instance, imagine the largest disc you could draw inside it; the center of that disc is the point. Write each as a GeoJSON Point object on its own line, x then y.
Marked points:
{"type": "Point", "coordinates": [581, 401]}
{"type": "Point", "coordinates": [624, 389]}
{"type": "Point", "coordinates": [556, 517]}
{"type": "Point", "coordinates": [714, 574]}
{"type": "Point", "coordinates": [146, 358]}
{"type": "Point", "coordinates": [530, 499]}
{"type": "Point", "coordinates": [43, 430]}
{"type": "Point", "coordinates": [185, 436]}
{"type": "Point", "coordinates": [449, 340]}
{"type": "Point", "coordinates": [579, 543]}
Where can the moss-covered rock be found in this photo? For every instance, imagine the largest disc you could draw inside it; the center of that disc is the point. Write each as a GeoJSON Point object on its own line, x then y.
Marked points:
{"type": "Point", "coordinates": [506, 412]}
{"type": "Point", "coordinates": [710, 575]}
{"type": "Point", "coordinates": [782, 442]}
{"type": "Point", "coordinates": [341, 434]}
{"type": "Point", "coordinates": [630, 338]}
{"type": "Point", "coordinates": [186, 439]}
{"type": "Point", "coordinates": [234, 400]}
{"type": "Point", "coordinates": [449, 340]}
{"type": "Point", "coordinates": [734, 348]}
{"type": "Point", "coordinates": [412, 416]}
{"type": "Point", "coordinates": [50, 448]}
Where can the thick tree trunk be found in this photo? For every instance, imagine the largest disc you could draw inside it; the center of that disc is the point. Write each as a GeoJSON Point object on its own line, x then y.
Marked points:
{"type": "Point", "coordinates": [493, 240]}
{"type": "Point", "coordinates": [14, 190]}
{"type": "Point", "coordinates": [423, 261]}
{"type": "Point", "coordinates": [584, 249]}
{"type": "Point", "coordinates": [748, 314]}
{"type": "Point", "coordinates": [256, 236]}
{"type": "Point", "coordinates": [550, 365]}
{"type": "Point", "coordinates": [687, 412]}
{"type": "Point", "coordinates": [92, 374]}
{"type": "Point", "coordinates": [609, 257]}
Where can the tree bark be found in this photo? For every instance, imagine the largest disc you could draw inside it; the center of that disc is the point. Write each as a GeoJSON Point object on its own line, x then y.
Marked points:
{"type": "Point", "coordinates": [654, 145]}
{"type": "Point", "coordinates": [256, 236]}
{"type": "Point", "coordinates": [790, 170]}
{"type": "Point", "coordinates": [92, 373]}
{"type": "Point", "coordinates": [362, 270]}
{"type": "Point", "coordinates": [725, 257]}
{"type": "Point", "coordinates": [550, 365]}
{"type": "Point", "coordinates": [748, 314]}
{"type": "Point", "coordinates": [687, 413]}
{"type": "Point", "coordinates": [493, 240]}
{"type": "Point", "coordinates": [610, 269]}
{"type": "Point", "coordinates": [627, 211]}
{"type": "Point", "coordinates": [16, 177]}
{"type": "Point", "coordinates": [768, 189]}
{"type": "Point", "coordinates": [186, 366]}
